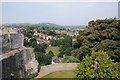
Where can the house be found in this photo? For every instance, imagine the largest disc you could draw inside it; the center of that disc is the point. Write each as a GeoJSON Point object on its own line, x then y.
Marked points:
{"type": "Point", "coordinates": [55, 60]}
{"type": "Point", "coordinates": [74, 39]}
{"type": "Point", "coordinates": [35, 33]}
{"type": "Point", "coordinates": [40, 41]}
{"type": "Point", "coordinates": [48, 37]}
{"type": "Point", "coordinates": [54, 38]}
{"type": "Point", "coordinates": [43, 36]}
{"type": "Point", "coordinates": [76, 33]}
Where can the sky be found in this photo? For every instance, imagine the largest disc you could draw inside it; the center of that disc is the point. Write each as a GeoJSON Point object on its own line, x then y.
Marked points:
{"type": "Point", "coordinates": [59, 0]}
{"type": "Point", "coordinates": [63, 13]}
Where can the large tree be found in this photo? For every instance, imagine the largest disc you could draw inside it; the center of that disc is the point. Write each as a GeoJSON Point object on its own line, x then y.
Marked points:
{"type": "Point", "coordinates": [98, 65]}
{"type": "Point", "coordinates": [102, 34]}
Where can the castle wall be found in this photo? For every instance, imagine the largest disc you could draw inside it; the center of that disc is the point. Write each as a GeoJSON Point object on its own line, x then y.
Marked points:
{"type": "Point", "coordinates": [11, 41]}
{"type": "Point", "coordinates": [5, 44]}
{"type": "Point", "coordinates": [16, 60]}
{"type": "Point", "coordinates": [56, 67]}
{"type": "Point", "coordinates": [13, 65]}
{"type": "Point", "coordinates": [9, 30]}
{"type": "Point", "coordinates": [16, 40]}
{"type": "Point", "coordinates": [21, 63]}
{"type": "Point", "coordinates": [0, 45]}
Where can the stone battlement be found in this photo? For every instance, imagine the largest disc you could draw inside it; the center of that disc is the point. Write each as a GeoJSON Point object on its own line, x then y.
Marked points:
{"type": "Point", "coordinates": [10, 30]}
{"type": "Point", "coordinates": [20, 62]}
{"type": "Point", "coordinates": [10, 42]}
{"type": "Point", "coordinates": [16, 60]}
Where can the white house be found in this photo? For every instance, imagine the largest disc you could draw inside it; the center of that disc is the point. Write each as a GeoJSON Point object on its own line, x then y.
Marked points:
{"type": "Point", "coordinates": [48, 37]}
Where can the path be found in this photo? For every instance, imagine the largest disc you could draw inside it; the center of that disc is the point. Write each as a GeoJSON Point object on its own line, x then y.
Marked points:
{"type": "Point", "coordinates": [56, 67]}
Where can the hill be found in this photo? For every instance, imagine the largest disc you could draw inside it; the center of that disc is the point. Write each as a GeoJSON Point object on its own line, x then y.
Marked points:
{"type": "Point", "coordinates": [45, 25]}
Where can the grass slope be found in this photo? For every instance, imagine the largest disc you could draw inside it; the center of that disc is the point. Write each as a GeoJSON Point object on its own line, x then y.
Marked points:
{"type": "Point", "coordinates": [61, 74]}
{"type": "Point", "coordinates": [55, 50]}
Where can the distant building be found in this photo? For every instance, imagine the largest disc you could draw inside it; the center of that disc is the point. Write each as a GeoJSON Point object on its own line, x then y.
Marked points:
{"type": "Point", "coordinates": [55, 60]}
{"type": "Point", "coordinates": [77, 33]}
{"type": "Point", "coordinates": [74, 39]}
{"type": "Point", "coordinates": [43, 36]}
{"type": "Point", "coordinates": [35, 34]}
{"type": "Point", "coordinates": [60, 38]}
{"type": "Point", "coordinates": [40, 41]}
{"type": "Point", "coordinates": [54, 38]}
{"type": "Point", "coordinates": [48, 37]}
{"type": "Point", "coordinates": [70, 33]}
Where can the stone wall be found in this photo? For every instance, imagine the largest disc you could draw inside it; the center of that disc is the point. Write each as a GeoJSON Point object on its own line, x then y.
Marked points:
{"type": "Point", "coordinates": [56, 67]}
{"type": "Point", "coordinates": [11, 41]}
{"type": "Point", "coordinates": [20, 62]}
{"type": "Point", "coordinates": [5, 43]}
{"type": "Point", "coordinates": [6, 30]}
{"type": "Point", "coordinates": [16, 40]}
{"type": "Point", "coordinates": [16, 60]}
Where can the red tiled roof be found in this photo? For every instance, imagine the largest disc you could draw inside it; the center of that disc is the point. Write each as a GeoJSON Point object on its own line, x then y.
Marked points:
{"type": "Point", "coordinates": [42, 41]}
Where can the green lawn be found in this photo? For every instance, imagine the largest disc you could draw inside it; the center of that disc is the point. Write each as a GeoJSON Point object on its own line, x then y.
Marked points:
{"type": "Point", "coordinates": [55, 50]}
{"type": "Point", "coordinates": [61, 74]}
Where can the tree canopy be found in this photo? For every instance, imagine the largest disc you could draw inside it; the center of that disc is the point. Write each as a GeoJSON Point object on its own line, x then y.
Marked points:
{"type": "Point", "coordinates": [105, 68]}
{"type": "Point", "coordinates": [102, 34]}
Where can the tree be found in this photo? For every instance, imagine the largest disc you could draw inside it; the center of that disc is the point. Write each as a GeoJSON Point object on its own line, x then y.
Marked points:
{"type": "Point", "coordinates": [41, 57]}
{"type": "Point", "coordinates": [81, 52]}
{"type": "Point", "coordinates": [70, 59]}
{"type": "Point", "coordinates": [77, 54]}
{"type": "Point", "coordinates": [41, 48]}
{"type": "Point", "coordinates": [102, 34]}
{"type": "Point", "coordinates": [37, 48]}
{"type": "Point", "coordinates": [76, 45]}
{"type": "Point", "coordinates": [50, 54]}
{"type": "Point", "coordinates": [32, 39]}
{"type": "Point", "coordinates": [105, 68]}
{"type": "Point", "coordinates": [26, 43]}
{"type": "Point", "coordinates": [29, 32]}
{"type": "Point", "coordinates": [33, 44]}
{"type": "Point", "coordinates": [111, 47]}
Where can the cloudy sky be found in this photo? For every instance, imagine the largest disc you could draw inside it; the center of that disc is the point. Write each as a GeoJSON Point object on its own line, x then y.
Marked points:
{"type": "Point", "coordinates": [63, 13]}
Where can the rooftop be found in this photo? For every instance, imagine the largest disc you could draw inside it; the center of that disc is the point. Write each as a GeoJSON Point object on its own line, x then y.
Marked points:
{"type": "Point", "coordinates": [55, 59]}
